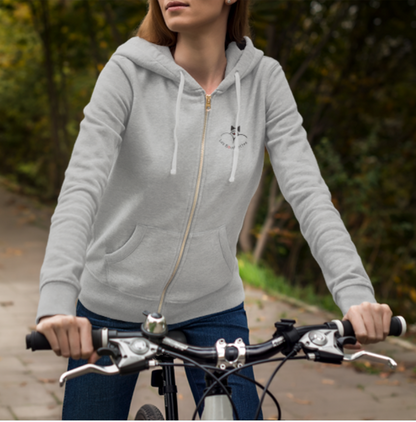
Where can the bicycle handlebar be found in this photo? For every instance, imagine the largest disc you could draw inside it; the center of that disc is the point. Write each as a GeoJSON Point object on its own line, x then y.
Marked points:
{"type": "Point", "coordinates": [37, 341]}
{"type": "Point", "coordinates": [133, 352]}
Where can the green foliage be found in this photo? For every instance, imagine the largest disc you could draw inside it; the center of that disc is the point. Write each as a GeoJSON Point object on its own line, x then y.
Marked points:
{"type": "Point", "coordinates": [263, 277]}
{"type": "Point", "coordinates": [50, 56]}
{"type": "Point", "coordinates": [23, 127]}
{"type": "Point", "coordinates": [357, 96]}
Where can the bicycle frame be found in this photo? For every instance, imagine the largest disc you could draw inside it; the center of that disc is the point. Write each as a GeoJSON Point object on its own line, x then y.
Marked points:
{"type": "Point", "coordinates": [164, 380]}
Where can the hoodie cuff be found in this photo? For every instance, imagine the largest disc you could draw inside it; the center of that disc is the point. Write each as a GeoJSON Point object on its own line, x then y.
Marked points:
{"type": "Point", "coordinates": [353, 295]}
{"type": "Point", "coordinates": [57, 298]}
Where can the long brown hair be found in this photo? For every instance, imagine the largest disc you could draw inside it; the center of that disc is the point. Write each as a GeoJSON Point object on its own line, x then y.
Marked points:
{"type": "Point", "coordinates": [154, 29]}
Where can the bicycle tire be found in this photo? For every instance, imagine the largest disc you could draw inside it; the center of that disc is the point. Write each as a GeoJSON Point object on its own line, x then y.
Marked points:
{"type": "Point", "coordinates": [149, 412]}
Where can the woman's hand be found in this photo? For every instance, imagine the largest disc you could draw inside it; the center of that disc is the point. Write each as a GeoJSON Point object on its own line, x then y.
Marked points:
{"type": "Point", "coordinates": [371, 322]}
{"type": "Point", "coordinates": [69, 336]}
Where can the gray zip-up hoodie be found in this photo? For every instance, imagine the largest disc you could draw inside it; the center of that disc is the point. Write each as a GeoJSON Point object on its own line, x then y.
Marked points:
{"type": "Point", "coordinates": [159, 182]}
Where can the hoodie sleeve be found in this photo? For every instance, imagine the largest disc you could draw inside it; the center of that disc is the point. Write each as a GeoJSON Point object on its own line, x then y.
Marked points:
{"type": "Point", "coordinates": [301, 183]}
{"type": "Point", "coordinates": [86, 178]}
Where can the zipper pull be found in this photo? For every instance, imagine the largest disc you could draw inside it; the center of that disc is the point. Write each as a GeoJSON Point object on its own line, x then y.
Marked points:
{"type": "Point", "coordinates": [208, 103]}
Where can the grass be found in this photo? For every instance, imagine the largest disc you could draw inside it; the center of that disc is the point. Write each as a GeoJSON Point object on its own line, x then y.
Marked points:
{"type": "Point", "coordinates": [368, 367]}
{"type": "Point", "coordinates": [263, 277]}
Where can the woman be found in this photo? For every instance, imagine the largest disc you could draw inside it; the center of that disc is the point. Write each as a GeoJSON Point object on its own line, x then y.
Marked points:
{"type": "Point", "coordinates": [167, 159]}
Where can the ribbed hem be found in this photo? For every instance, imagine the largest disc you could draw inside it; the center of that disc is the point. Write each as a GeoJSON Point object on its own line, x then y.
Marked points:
{"type": "Point", "coordinates": [111, 303]}
{"type": "Point", "coordinates": [57, 297]}
{"type": "Point", "coordinates": [353, 295]}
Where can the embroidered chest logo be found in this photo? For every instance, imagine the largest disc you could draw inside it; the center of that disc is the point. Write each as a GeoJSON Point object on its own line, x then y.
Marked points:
{"type": "Point", "coordinates": [227, 139]}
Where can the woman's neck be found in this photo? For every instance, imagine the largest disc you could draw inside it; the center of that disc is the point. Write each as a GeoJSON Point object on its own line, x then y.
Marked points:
{"type": "Point", "coordinates": [203, 57]}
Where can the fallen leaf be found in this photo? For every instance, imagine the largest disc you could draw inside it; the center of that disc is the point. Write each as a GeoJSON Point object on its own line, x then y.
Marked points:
{"type": "Point", "coordinates": [400, 368]}
{"type": "Point", "coordinates": [296, 400]}
{"type": "Point", "coordinates": [21, 207]}
{"type": "Point", "coordinates": [23, 384]}
{"type": "Point", "coordinates": [12, 252]}
{"type": "Point", "coordinates": [47, 380]}
{"type": "Point", "coordinates": [26, 220]}
{"type": "Point", "coordinates": [385, 374]}
{"type": "Point", "coordinates": [265, 297]}
{"type": "Point", "coordinates": [328, 381]}
{"type": "Point", "coordinates": [388, 382]}
{"type": "Point", "coordinates": [6, 303]}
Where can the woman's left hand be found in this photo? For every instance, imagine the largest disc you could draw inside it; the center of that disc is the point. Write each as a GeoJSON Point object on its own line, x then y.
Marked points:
{"type": "Point", "coordinates": [371, 322]}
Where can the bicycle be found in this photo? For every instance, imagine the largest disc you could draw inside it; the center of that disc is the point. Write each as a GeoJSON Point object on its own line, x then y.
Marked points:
{"type": "Point", "coordinates": [154, 346]}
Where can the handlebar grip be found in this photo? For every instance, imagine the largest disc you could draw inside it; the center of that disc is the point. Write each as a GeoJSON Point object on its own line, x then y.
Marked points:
{"type": "Point", "coordinates": [37, 341]}
{"type": "Point", "coordinates": [398, 327]}
{"type": "Point", "coordinates": [96, 339]}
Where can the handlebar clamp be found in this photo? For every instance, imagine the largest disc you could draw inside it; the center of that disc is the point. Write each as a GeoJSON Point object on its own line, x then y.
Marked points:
{"type": "Point", "coordinates": [231, 355]}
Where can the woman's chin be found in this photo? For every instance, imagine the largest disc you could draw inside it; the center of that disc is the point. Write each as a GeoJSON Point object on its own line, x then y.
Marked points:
{"type": "Point", "coordinates": [183, 29]}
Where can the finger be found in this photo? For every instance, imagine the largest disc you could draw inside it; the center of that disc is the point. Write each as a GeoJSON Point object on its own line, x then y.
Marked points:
{"type": "Point", "coordinates": [61, 331]}
{"type": "Point", "coordinates": [387, 314]}
{"type": "Point", "coordinates": [74, 339]}
{"type": "Point", "coordinates": [378, 322]}
{"type": "Point", "coordinates": [356, 346]}
{"type": "Point", "coordinates": [367, 314]}
{"type": "Point", "coordinates": [93, 358]}
{"type": "Point", "coordinates": [87, 348]}
{"type": "Point", "coordinates": [50, 335]}
{"type": "Point", "coordinates": [358, 324]}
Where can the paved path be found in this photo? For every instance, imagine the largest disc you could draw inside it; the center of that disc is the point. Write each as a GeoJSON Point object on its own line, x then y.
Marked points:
{"type": "Point", "coordinates": [29, 381]}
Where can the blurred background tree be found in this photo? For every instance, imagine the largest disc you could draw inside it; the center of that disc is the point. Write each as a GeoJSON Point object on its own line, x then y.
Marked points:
{"type": "Point", "coordinates": [351, 66]}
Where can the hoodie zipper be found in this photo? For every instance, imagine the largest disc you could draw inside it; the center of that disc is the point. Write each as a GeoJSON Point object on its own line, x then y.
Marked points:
{"type": "Point", "coordinates": [191, 215]}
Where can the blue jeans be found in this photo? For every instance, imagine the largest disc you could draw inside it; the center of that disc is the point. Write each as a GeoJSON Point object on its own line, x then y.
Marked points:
{"type": "Point", "coordinates": [93, 396]}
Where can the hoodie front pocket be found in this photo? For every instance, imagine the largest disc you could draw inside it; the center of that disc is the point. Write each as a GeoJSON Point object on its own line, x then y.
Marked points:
{"type": "Point", "coordinates": [207, 266]}
{"type": "Point", "coordinates": [142, 266]}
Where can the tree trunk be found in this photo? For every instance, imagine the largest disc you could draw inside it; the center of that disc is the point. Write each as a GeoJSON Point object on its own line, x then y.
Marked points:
{"type": "Point", "coordinates": [109, 15]}
{"type": "Point", "coordinates": [246, 234]}
{"type": "Point", "coordinates": [294, 257]}
{"type": "Point", "coordinates": [93, 38]}
{"type": "Point", "coordinates": [274, 205]}
{"type": "Point", "coordinates": [41, 20]}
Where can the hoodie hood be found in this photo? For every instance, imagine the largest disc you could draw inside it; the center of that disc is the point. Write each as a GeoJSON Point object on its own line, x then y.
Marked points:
{"type": "Point", "coordinates": [158, 59]}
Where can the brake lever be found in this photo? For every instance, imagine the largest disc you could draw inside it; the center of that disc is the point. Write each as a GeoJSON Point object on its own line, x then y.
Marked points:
{"type": "Point", "coordinates": [380, 358]}
{"type": "Point", "coordinates": [88, 369]}
{"type": "Point", "coordinates": [325, 346]}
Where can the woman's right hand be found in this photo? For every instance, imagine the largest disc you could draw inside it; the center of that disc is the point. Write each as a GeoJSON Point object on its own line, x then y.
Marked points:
{"type": "Point", "coordinates": [69, 336]}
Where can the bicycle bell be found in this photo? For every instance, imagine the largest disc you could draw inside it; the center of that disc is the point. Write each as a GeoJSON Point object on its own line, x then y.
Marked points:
{"type": "Point", "coordinates": [154, 325]}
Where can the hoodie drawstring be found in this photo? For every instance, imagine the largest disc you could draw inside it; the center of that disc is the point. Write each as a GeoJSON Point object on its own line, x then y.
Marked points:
{"type": "Point", "coordinates": [237, 123]}
{"type": "Point", "coordinates": [236, 148]}
{"type": "Point", "coordinates": [178, 108]}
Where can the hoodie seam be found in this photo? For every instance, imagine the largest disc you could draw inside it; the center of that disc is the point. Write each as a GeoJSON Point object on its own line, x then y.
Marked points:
{"type": "Point", "coordinates": [352, 285]}
{"type": "Point", "coordinates": [127, 77]}
{"type": "Point", "coordinates": [278, 68]}
{"type": "Point", "coordinates": [70, 283]}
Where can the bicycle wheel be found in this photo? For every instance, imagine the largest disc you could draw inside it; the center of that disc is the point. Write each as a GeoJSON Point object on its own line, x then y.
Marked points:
{"type": "Point", "coordinates": [149, 412]}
